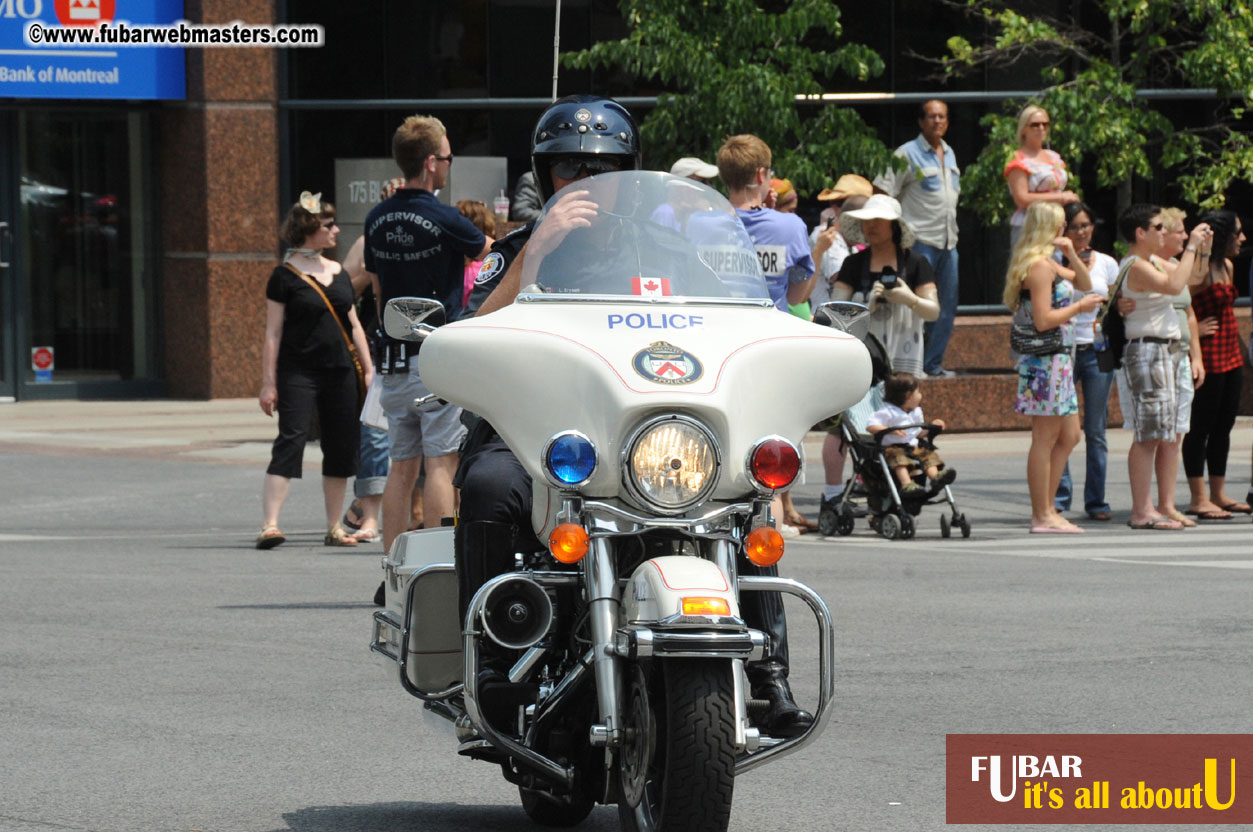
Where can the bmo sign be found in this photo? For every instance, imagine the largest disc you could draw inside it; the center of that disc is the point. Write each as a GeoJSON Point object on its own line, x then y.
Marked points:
{"type": "Point", "coordinates": [88, 70]}
{"type": "Point", "coordinates": [42, 361]}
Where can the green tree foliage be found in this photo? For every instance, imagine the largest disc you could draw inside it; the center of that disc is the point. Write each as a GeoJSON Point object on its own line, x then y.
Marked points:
{"type": "Point", "coordinates": [1090, 79]}
{"type": "Point", "coordinates": [732, 66]}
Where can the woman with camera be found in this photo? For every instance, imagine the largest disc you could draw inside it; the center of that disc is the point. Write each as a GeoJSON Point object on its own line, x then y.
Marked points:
{"type": "Point", "coordinates": [888, 277]}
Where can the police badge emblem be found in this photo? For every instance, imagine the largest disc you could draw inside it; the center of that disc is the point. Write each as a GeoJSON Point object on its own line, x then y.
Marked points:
{"type": "Point", "coordinates": [489, 268]}
{"type": "Point", "coordinates": [665, 363]}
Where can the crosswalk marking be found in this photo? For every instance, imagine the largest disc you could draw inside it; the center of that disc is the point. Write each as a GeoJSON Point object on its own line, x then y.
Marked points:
{"type": "Point", "coordinates": [1214, 564]}
{"type": "Point", "coordinates": [1217, 546]}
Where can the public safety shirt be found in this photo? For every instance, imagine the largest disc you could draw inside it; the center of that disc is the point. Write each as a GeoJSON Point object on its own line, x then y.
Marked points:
{"type": "Point", "coordinates": [417, 245]}
{"type": "Point", "coordinates": [782, 244]}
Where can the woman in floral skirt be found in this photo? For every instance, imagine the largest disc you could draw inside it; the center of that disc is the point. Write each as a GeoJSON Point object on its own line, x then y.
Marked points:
{"type": "Point", "coordinates": [1046, 383]}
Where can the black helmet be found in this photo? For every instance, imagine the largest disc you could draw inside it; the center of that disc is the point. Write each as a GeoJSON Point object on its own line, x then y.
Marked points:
{"type": "Point", "coordinates": [583, 124]}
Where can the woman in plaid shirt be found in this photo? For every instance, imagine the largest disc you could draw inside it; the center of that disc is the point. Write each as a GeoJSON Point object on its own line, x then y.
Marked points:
{"type": "Point", "coordinates": [1218, 399]}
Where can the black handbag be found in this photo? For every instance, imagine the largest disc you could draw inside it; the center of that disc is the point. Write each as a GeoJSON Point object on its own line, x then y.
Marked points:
{"type": "Point", "coordinates": [1025, 339]}
{"type": "Point", "coordinates": [1112, 325]}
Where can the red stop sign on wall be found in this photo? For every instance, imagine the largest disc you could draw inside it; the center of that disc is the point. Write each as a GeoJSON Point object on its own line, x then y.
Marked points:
{"type": "Point", "coordinates": [41, 358]}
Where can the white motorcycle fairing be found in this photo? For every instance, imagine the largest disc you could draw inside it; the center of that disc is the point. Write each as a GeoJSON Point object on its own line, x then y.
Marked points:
{"type": "Point", "coordinates": [580, 372]}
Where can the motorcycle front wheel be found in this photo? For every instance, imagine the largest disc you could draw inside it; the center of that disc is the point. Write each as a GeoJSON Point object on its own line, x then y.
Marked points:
{"type": "Point", "coordinates": [677, 761]}
{"type": "Point", "coordinates": [546, 812]}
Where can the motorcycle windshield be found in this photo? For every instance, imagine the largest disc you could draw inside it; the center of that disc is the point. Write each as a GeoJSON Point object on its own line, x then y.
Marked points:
{"type": "Point", "coordinates": [642, 234]}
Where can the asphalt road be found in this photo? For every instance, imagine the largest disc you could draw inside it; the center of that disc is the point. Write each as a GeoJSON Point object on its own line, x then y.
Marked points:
{"type": "Point", "coordinates": [158, 673]}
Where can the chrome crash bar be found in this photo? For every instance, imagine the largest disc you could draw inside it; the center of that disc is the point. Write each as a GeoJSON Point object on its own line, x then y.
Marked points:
{"type": "Point", "coordinates": [774, 748]}
{"type": "Point", "coordinates": [520, 753]}
{"type": "Point", "coordinates": [386, 620]}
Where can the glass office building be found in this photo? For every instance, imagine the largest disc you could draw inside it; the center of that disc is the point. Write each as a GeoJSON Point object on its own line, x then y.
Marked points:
{"type": "Point", "coordinates": [137, 229]}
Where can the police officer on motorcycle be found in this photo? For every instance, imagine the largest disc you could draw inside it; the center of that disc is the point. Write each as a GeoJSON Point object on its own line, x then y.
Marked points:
{"type": "Point", "coordinates": [576, 137]}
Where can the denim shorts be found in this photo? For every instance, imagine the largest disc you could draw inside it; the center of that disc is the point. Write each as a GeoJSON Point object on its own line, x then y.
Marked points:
{"type": "Point", "coordinates": [433, 430]}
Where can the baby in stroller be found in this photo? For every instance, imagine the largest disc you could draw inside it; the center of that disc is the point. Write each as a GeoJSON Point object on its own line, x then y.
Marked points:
{"type": "Point", "coordinates": [901, 416]}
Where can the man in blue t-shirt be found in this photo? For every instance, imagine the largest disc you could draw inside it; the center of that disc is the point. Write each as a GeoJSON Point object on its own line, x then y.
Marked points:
{"type": "Point", "coordinates": [781, 240]}
{"type": "Point", "coordinates": [416, 246]}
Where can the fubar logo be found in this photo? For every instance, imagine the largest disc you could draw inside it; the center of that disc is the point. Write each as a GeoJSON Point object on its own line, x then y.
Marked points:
{"type": "Point", "coordinates": [1099, 778]}
{"type": "Point", "coordinates": [1022, 767]}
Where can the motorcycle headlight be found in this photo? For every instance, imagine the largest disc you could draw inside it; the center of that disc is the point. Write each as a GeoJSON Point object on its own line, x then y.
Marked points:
{"type": "Point", "coordinates": [672, 463]}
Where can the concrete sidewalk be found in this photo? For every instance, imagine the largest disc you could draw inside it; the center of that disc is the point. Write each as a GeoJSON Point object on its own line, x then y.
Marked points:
{"type": "Point", "coordinates": [219, 430]}
{"type": "Point", "coordinates": [236, 431]}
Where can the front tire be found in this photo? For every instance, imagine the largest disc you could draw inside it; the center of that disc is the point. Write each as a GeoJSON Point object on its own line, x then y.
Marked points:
{"type": "Point", "coordinates": [677, 762]}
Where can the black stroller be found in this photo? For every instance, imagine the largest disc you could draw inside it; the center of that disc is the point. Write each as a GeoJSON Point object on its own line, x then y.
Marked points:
{"type": "Point", "coordinates": [871, 489]}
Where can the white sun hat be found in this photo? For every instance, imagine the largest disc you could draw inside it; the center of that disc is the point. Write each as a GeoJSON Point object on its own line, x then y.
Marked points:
{"type": "Point", "coordinates": [878, 207]}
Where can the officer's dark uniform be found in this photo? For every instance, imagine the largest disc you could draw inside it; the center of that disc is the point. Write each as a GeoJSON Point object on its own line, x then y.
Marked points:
{"type": "Point", "coordinates": [496, 495]}
{"type": "Point", "coordinates": [496, 491]}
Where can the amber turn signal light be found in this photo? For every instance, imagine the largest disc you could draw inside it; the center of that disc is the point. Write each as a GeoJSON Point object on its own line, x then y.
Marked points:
{"type": "Point", "coordinates": [763, 546]}
{"type": "Point", "coordinates": [568, 542]}
{"type": "Point", "coordinates": [706, 606]}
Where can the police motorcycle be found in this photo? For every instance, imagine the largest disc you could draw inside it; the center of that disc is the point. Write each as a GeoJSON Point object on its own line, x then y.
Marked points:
{"type": "Point", "coordinates": [646, 382]}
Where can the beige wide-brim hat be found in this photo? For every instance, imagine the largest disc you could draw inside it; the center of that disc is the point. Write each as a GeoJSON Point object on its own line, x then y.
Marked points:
{"type": "Point", "coordinates": [878, 207]}
{"type": "Point", "coordinates": [850, 184]}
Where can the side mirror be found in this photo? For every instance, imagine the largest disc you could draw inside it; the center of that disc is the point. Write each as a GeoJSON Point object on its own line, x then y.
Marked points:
{"type": "Point", "coordinates": [846, 316]}
{"type": "Point", "coordinates": [412, 319]}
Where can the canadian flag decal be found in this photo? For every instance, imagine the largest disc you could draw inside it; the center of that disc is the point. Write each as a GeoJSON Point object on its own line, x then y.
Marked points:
{"type": "Point", "coordinates": [650, 287]}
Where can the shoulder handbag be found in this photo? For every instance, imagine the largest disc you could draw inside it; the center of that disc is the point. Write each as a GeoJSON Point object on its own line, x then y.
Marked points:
{"type": "Point", "coordinates": [352, 350]}
{"type": "Point", "coordinates": [1025, 339]}
{"type": "Point", "coordinates": [1112, 325]}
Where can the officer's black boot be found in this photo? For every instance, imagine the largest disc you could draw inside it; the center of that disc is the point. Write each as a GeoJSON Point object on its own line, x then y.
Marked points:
{"type": "Point", "coordinates": [767, 678]}
{"type": "Point", "coordinates": [482, 550]}
{"type": "Point", "coordinates": [485, 549]}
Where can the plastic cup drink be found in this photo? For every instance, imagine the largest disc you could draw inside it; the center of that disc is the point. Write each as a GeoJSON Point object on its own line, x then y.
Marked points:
{"type": "Point", "coordinates": [500, 207]}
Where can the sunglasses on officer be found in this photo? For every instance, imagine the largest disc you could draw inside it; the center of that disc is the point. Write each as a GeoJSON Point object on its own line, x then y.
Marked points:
{"type": "Point", "coordinates": [569, 167]}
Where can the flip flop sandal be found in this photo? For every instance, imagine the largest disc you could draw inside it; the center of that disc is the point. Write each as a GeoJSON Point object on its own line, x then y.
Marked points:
{"type": "Point", "coordinates": [1179, 517]}
{"type": "Point", "coordinates": [269, 537]}
{"type": "Point", "coordinates": [338, 537]}
{"type": "Point", "coordinates": [1046, 529]}
{"type": "Point", "coordinates": [1161, 524]}
{"type": "Point", "coordinates": [347, 522]}
{"type": "Point", "coordinates": [1209, 515]}
{"type": "Point", "coordinates": [367, 536]}
{"type": "Point", "coordinates": [802, 523]}
{"type": "Point", "coordinates": [1237, 507]}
